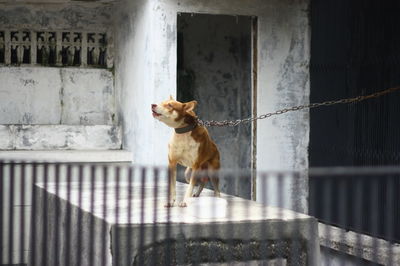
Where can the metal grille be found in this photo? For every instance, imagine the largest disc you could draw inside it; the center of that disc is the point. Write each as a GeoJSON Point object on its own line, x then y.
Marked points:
{"type": "Point", "coordinates": [55, 48]}
{"type": "Point", "coordinates": [72, 214]}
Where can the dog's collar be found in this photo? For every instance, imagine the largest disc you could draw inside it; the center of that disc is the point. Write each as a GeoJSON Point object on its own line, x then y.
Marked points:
{"type": "Point", "coordinates": [186, 129]}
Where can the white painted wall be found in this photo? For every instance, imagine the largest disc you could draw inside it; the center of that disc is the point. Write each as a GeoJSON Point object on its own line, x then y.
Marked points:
{"type": "Point", "coordinates": [135, 61]}
{"type": "Point", "coordinates": [45, 95]}
{"type": "Point", "coordinates": [146, 73]}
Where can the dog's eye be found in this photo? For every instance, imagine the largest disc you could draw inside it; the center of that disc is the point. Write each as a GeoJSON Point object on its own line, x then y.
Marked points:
{"type": "Point", "coordinates": [170, 105]}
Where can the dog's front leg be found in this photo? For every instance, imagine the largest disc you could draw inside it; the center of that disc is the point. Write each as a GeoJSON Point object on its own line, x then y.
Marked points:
{"type": "Point", "coordinates": [189, 190]}
{"type": "Point", "coordinates": [171, 186]}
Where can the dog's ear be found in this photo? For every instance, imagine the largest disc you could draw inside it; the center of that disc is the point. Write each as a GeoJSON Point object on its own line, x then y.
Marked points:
{"type": "Point", "coordinates": [189, 106]}
{"type": "Point", "coordinates": [171, 98]}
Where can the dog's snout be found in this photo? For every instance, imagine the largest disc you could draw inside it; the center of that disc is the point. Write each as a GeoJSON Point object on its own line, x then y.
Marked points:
{"type": "Point", "coordinates": [153, 106]}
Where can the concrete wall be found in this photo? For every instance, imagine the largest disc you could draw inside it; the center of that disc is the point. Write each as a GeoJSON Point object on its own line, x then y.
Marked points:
{"type": "Point", "coordinates": [77, 16]}
{"type": "Point", "coordinates": [215, 70]}
{"type": "Point", "coordinates": [147, 38]}
{"type": "Point", "coordinates": [134, 81]}
{"type": "Point", "coordinates": [64, 105]}
{"type": "Point", "coordinates": [69, 96]}
{"type": "Point", "coordinates": [60, 137]}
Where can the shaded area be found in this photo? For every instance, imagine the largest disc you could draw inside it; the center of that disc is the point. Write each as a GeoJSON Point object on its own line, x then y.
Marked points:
{"type": "Point", "coordinates": [218, 251]}
{"type": "Point", "coordinates": [355, 51]}
{"type": "Point", "coordinates": [214, 68]}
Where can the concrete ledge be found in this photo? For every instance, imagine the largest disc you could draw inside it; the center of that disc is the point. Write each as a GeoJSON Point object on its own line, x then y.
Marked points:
{"type": "Point", "coordinates": [60, 137]}
{"type": "Point", "coordinates": [359, 245]}
{"type": "Point", "coordinates": [81, 156]}
{"type": "Point", "coordinates": [121, 226]}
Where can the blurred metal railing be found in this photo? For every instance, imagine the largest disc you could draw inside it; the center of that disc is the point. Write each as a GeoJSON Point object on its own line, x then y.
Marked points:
{"type": "Point", "coordinates": [75, 214]}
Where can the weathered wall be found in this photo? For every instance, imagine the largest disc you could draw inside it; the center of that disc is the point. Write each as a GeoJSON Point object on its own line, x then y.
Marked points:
{"type": "Point", "coordinates": [70, 96]}
{"type": "Point", "coordinates": [215, 69]}
{"type": "Point", "coordinates": [134, 80]}
{"type": "Point", "coordinates": [81, 100]}
{"type": "Point", "coordinates": [283, 78]}
{"type": "Point", "coordinates": [89, 16]}
{"type": "Point", "coordinates": [60, 137]}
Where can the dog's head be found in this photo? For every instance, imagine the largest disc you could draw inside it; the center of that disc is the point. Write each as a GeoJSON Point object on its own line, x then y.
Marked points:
{"type": "Point", "coordinates": [175, 114]}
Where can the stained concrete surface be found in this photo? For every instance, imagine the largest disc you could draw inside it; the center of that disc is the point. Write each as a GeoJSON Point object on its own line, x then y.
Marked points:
{"type": "Point", "coordinates": [60, 137]}
{"type": "Point", "coordinates": [84, 213]}
{"type": "Point", "coordinates": [41, 16]}
{"type": "Point", "coordinates": [52, 96]}
{"type": "Point", "coordinates": [58, 108]}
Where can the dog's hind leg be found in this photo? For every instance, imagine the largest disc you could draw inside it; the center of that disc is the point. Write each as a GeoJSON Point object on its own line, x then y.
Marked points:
{"type": "Point", "coordinates": [215, 183]}
{"type": "Point", "coordinates": [202, 179]}
{"type": "Point", "coordinates": [214, 177]}
{"type": "Point", "coordinates": [188, 173]}
{"type": "Point", "coordinates": [199, 189]}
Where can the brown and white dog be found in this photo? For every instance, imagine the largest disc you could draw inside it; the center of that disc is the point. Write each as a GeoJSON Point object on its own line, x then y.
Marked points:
{"type": "Point", "coordinates": [190, 146]}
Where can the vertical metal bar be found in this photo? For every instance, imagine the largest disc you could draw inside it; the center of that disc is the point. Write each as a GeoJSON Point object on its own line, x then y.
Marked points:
{"type": "Point", "coordinates": [254, 71]}
{"type": "Point", "coordinates": [280, 242]}
{"type": "Point", "coordinates": [246, 242]}
{"type": "Point", "coordinates": [263, 183]}
{"type": "Point", "coordinates": [212, 225]}
{"type": "Point", "coordinates": [168, 247]}
{"type": "Point", "coordinates": [104, 226]}
{"type": "Point", "coordinates": [22, 220]}
{"type": "Point", "coordinates": [45, 216]}
{"type": "Point", "coordinates": [141, 258]}
{"type": "Point", "coordinates": [358, 213]}
{"type": "Point", "coordinates": [79, 219]}
{"type": "Point", "coordinates": [196, 255]}
{"type": "Point", "coordinates": [68, 218]}
{"type": "Point", "coordinates": [91, 241]}
{"type": "Point", "coordinates": [130, 202]}
{"type": "Point", "coordinates": [327, 205]}
{"type": "Point", "coordinates": [2, 192]}
{"type": "Point", "coordinates": [312, 202]}
{"type": "Point", "coordinates": [389, 211]}
{"type": "Point", "coordinates": [343, 207]}
{"type": "Point", "coordinates": [33, 217]}
{"type": "Point", "coordinates": [155, 206]}
{"type": "Point", "coordinates": [295, 248]}
{"type": "Point", "coordinates": [117, 190]}
{"type": "Point", "coordinates": [11, 214]}
{"type": "Point", "coordinates": [232, 177]}
{"type": "Point", "coordinates": [374, 213]}
{"type": "Point", "coordinates": [57, 227]}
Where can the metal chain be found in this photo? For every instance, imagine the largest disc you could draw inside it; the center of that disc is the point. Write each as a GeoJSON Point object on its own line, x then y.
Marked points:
{"type": "Point", "coordinates": [233, 123]}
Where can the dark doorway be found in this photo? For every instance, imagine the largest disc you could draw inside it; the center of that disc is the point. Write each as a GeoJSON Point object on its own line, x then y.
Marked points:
{"type": "Point", "coordinates": [214, 67]}
{"type": "Point", "coordinates": [355, 50]}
